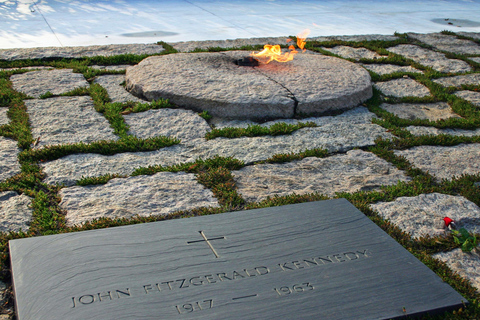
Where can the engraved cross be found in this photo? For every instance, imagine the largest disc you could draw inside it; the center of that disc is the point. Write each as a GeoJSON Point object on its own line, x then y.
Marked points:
{"type": "Point", "coordinates": [208, 242]}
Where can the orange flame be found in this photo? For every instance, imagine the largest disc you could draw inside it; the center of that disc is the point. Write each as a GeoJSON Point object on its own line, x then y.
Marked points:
{"type": "Point", "coordinates": [270, 53]}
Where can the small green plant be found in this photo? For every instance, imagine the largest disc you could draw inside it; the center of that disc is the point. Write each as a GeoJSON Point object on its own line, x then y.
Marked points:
{"type": "Point", "coordinates": [467, 241]}
{"type": "Point", "coordinates": [205, 115]}
{"type": "Point", "coordinates": [46, 95]}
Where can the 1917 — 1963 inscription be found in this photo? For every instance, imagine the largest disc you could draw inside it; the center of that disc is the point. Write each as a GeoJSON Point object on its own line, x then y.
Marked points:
{"type": "Point", "coordinates": [306, 261]}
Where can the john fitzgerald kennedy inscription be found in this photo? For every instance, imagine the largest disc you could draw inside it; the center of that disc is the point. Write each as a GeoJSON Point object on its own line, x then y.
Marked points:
{"type": "Point", "coordinates": [306, 261]}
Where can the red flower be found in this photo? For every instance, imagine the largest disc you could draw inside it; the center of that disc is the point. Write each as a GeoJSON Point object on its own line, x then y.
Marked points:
{"type": "Point", "coordinates": [447, 221]}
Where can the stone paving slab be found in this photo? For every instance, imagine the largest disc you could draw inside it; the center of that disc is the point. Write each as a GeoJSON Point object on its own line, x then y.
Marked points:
{"type": "Point", "coordinates": [57, 81]}
{"type": "Point", "coordinates": [159, 194]}
{"type": "Point", "coordinates": [447, 43]}
{"type": "Point", "coordinates": [79, 52]}
{"type": "Point", "coordinates": [64, 120]}
{"type": "Point", "coordinates": [187, 46]}
{"type": "Point", "coordinates": [429, 58]}
{"type": "Point", "coordinates": [445, 162]}
{"type": "Point", "coordinates": [474, 35]}
{"type": "Point", "coordinates": [358, 115]}
{"type": "Point", "coordinates": [353, 53]}
{"type": "Point", "coordinates": [403, 88]}
{"type": "Point", "coordinates": [465, 264]}
{"type": "Point", "coordinates": [457, 81]}
{"type": "Point", "coordinates": [15, 210]}
{"type": "Point", "coordinates": [3, 116]}
{"type": "Point", "coordinates": [412, 111]}
{"type": "Point", "coordinates": [336, 134]}
{"type": "Point", "coordinates": [382, 69]}
{"type": "Point", "coordinates": [356, 170]}
{"type": "Point", "coordinates": [419, 131]}
{"type": "Point", "coordinates": [356, 38]}
{"type": "Point", "coordinates": [116, 92]}
{"type": "Point", "coordinates": [471, 96]}
{"type": "Point", "coordinates": [120, 67]}
{"type": "Point", "coordinates": [476, 59]}
{"type": "Point", "coordinates": [185, 125]}
{"type": "Point", "coordinates": [28, 68]}
{"type": "Point", "coordinates": [9, 165]}
{"type": "Point", "coordinates": [423, 215]}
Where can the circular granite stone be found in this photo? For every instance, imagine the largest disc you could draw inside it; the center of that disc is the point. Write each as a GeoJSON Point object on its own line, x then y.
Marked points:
{"type": "Point", "coordinates": [310, 84]}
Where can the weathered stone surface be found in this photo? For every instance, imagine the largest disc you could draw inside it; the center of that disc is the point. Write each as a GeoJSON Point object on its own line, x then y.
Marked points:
{"type": "Point", "coordinates": [79, 52]}
{"type": "Point", "coordinates": [336, 134]}
{"type": "Point", "coordinates": [9, 165]}
{"type": "Point", "coordinates": [429, 58]}
{"type": "Point", "coordinates": [423, 215]}
{"type": "Point", "coordinates": [471, 96]}
{"type": "Point", "coordinates": [120, 67]}
{"type": "Point", "coordinates": [159, 194]}
{"type": "Point", "coordinates": [185, 125]}
{"type": "Point", "coordinates": [403, 88]}
{"type": "Point", "coordinates": [3, 116]}
{"type": "Point", "coordinates": [445, 162]}
{"type": "Point", "coordinates": [359, 115]}
{"type": "Point", "coordinates": [15, 211]}
{"type": "Point", "coordinates": [356, 38]}
{"type": "Point", "coordinates": [465, 264]}
{"type": "Point", "coordinates": [56, 81]}
{"type": "Point", "coordinates": [353, 53]}
{"type": "Point", "coordinates": [187, 46]}
{"type": "Point", "coordinates": [475, 35]}
{"type": "Point", "coordinates": [447, 43]}
{"type": "Point", "coordinates": [116, 92]}
{"type": "Point", "coordinates": [63, 120]}
{"type": "Point", "coordinates": [356, 170]}
{"type": "Point", "coordinates": [430, 111]}
{"type": "Point", "coordinates": [419, 131]}
{"type": "Point", "coordinates": [457, 81]}
{"type": "Point", "coordinates": [382, 69]}
{"type": "Point", "coordinates": [203, 81]}
{"type": "Point", "coordinates": [71, 168]}
{"type": "Point", "coordinates": [476, 59]}
{"type": "Point", "coordinates": [28, 68]}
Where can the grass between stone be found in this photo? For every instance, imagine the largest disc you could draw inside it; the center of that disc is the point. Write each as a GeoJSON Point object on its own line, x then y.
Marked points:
{"type": "Point", "coordinates": [216, 173]}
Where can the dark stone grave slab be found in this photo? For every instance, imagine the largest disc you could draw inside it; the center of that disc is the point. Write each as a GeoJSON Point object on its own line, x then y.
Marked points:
{"type": "Point", "coordinates": [317, 260]}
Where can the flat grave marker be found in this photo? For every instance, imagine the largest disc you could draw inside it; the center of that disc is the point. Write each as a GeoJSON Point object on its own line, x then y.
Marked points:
{"type": "Point", "coordinates": [316, 260]}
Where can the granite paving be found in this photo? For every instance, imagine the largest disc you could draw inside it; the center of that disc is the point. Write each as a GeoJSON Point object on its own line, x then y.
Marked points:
{"type": "Point", "coordinates": [356, 170]}
{"type": "Point", "coordinates": [436, 60]}
{"type": "Point", "coordinates": [116, 91]}
{"type": "Point", "coordinates": [445, 162]}
{"type": "Point", "coordinates": [448, 43]}
{"type": "Point", "coordinates": [458, 81]}
{"type": "Point", "coordinates": [423, 215]}
{"type": "Point", "coordinates": [158, 194]}
{"type": "Point", "coordinates": [347, 134]}
{"type": "Point", "coordinates": [3, 116]}
{"type": "Point", "coordinates": [471, 96]}
{"type": "Point", "coordinates": [38, 83]}
{"type": "Point", "coordinates": [66, 120]}
{"type": "Point", "coordinates": [9, 165]}
{"type": "Point", "coordinates": [383, 69]}
{"type": "Point", "coordinates": [16, 212]}
{"type": "Point", "coordinates": [412, 111]}
{"type": "Point", "coordinates": [354, 53]}
{"type": "Point", "coordinates": [403, 87]}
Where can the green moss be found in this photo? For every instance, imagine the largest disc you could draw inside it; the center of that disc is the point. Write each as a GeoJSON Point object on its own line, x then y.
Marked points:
{"type": "Point", "coordinates": [279, 128]}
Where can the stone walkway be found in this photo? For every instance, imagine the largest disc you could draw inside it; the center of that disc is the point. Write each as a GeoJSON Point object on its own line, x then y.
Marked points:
{"type": "Point", "coordinates": [351, 166]}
